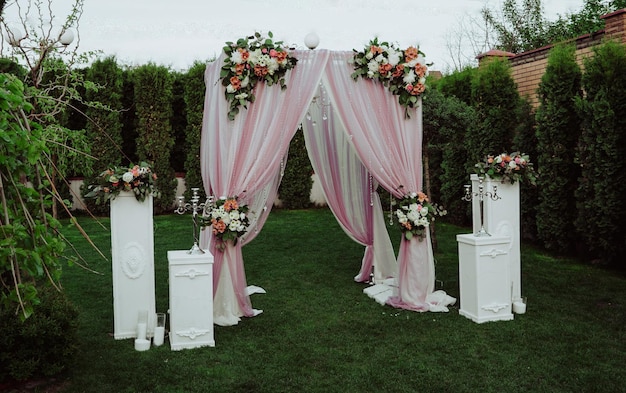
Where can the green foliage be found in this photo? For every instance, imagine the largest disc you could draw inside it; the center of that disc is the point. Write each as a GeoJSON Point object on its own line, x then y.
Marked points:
{"type": "Point", "coordinates": [585, 21]}
{"type": "Point", "coordinates": [45, 344]}
{"type": "Point", "coordinates": [194, 91]}
{"type": "Point", "coordinates": [179, 122]}
{"type": "Point", "coordinates": [523, 28]}
{"type": "Point", "coordinates": [104, 128]}
{"type": "Point", "coordinates": [295, 187]}
{"type": "Point", "coordinates": [518, 28]}
{"type": "Point", "coordinates": [29, 245]}
{"type": "Point", "coordinates": [129, 116]}
{"type": "Point", "coordinates": [600, 203]}
{"type": "Point", "coordinates": [446, 119]}
{"type": "Point", "coordinates": [458, 84]}
{"type": "Point", "coordinates": [558, 131]}
{"type": "Point", "coordinates": [153, 102]}
{"type": "Point", "coordinates": [525, 141]}
{"type": "Point", "coordinates": [496, 101]}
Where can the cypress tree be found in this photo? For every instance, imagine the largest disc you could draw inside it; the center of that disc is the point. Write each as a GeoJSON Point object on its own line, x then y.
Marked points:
{"type": "Point", "coordinates": [558, 131]}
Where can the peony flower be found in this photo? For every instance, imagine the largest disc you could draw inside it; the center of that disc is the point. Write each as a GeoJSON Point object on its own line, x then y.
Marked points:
{"type": "Point", "coordinates": [393, 58]}
{"type": "Point", "coordinates": [236, 57]}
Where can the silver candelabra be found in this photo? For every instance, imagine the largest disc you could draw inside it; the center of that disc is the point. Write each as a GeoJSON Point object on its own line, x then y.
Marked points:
{"type": "Point", "coordinates": [195, 207]}
{"type": "Point", "coordinates": [481, 194]}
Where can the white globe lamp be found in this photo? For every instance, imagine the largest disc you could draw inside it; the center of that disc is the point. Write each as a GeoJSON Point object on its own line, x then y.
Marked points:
{"type": "Point", "coordinates": [14, 35]}
{"type": "Point", "coordinates": [311, 40]}
{"type": "Point", "coordinates": [66, 37]}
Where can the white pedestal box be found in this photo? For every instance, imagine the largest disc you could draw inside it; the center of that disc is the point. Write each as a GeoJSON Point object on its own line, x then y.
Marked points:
{"type": "Point", "coordinates": [191, 300]}
{"type": "Point", "coordinates": [132, 252]}
{"type": "Point", "coordinates": [502, 218]}
{"type": "Point", "coordinates": [485, 288]}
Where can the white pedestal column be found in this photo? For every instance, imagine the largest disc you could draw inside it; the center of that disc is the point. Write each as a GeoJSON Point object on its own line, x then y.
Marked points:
{"type": "Point", "coordinates": [132, 252]}
{"type": "Point", "coordinates": [485, 289]}
{"type": "Point", "coordinates": [502, 218]}
{"type": "Point", "coordinates": [191, 300]}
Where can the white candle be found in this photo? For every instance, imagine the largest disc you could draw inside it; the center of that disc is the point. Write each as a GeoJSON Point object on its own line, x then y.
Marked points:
{"type": "Point", "coordinates": [159, 335]}
{"type": "Point", "coordinates": [519, 307]}
{"type": "Point", "coordinates": [141, 330]}
{"type": "Point", "coordinates": [142, 344]}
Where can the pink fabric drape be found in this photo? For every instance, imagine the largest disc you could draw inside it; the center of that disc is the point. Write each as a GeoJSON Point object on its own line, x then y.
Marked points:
{"type": "Point", "coordinates": [390, 146]}
{"type": "Point", "coordinates": [347, 185]}
{"type": "Point", "coordinates": [241, 157]}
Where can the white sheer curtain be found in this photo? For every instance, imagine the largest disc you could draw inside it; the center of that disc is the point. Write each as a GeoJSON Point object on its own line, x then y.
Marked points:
{"type": "Point", "coordinates": [348, 188]}
{"type": "Point", "coordinates": [242, 157]}
{"type": "Point", "coordinates": [390, 145]}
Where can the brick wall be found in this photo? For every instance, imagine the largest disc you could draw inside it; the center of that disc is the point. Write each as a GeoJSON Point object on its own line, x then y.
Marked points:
{"type": "Point", "coordinates": [529, 67]}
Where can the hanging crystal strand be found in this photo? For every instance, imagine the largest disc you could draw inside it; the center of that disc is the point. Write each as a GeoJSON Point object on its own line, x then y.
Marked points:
{"type": "Point", "coordinates": [282, 167]}
{"type": "Point", "coordinates": [308, 116]}
{"type": "Point", "coordinates": [371, 180]}
{"type": "Point", "coordinates": [390, 209]}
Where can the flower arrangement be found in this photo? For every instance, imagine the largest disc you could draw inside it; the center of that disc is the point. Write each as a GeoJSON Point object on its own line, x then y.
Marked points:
{"type": "Point", "coordinates": [228, 219]}
{"type": "Point", "coordinates": [508, 167]}
{"type": "Point", "coordinates": [402, 71]}
{"type": "Point", "coordinates": [415, 213]}
{"type": "Point", "coordinates": [251, 60]}
{"type": "Point", "coordinates": [139, 179]}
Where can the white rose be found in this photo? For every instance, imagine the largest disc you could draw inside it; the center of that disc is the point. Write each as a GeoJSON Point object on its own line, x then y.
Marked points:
{"type": "Point", "coordinates": [401, 216]}
{"type": "Point", "coordinates": [245, 82]}
{"type": "Point", "coordinates": [128, 177]}
{"type": "Point", "coordinates": [380, 59]}
{"type": "Point", "coordinates": [234, 215]}
{"type": "Point", "coordinates": [369, 55]}
{"type": "Point", "coordinates": [230, 89]}
{"type": "Point", "coordinates": [372, 66]}
{"type": "Point", "coordinates": [241, 96]}
{"type": "Point", "coordinates": [413, 216]}
{"type": "Point", "coordinates": [272, 66]}
{"type": "Point", "coordinates": [234, 224]}
{"type": "Point", "coordinates": [242, 216]}
{"type": "Point", "coordinates": [394, 58]}
{"type": "Point", "coordinates": [424, 211]}
{"type": "Point", "coordinates": [512, 164]}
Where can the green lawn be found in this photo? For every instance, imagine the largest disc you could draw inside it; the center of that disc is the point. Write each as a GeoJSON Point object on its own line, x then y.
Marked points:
{"type": "Point", "coordinates": [320, 333]}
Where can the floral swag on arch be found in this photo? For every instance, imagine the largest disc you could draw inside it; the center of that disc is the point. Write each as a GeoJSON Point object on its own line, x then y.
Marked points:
{"type": "Point", "coordinates": [251, 60]}
{"type": "Point", "coordinates": [402, 71]}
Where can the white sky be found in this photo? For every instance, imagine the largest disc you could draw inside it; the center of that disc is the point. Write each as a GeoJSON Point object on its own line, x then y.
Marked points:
{"type": "Point", "coordinates": [177, 33]}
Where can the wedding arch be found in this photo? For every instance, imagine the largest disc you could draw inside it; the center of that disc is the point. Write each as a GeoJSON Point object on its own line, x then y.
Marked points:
{"type": "Point", "coordinates": [357, 136]}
